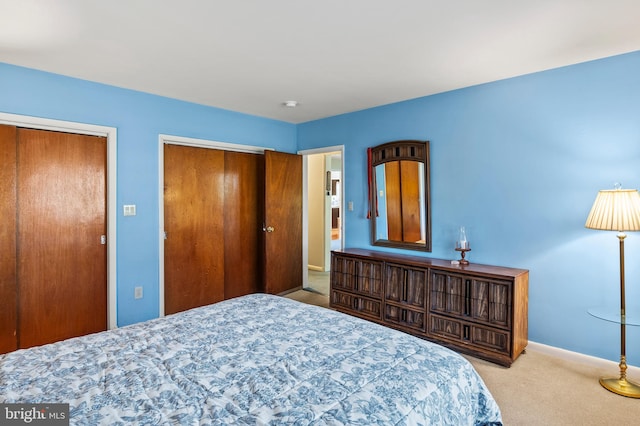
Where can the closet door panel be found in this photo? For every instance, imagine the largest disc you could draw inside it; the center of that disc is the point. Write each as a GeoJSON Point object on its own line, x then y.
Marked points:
{"type": "Point", "coordinates": [8, 293]}
{"type": "Point", "coordinates": [244, 193]}
{"type": "Point", "coordinates": [194, 222]}
{"type": "Point", "coordinates": [283, 219]}
{"type": "Point", "coordinates": [62, 284]}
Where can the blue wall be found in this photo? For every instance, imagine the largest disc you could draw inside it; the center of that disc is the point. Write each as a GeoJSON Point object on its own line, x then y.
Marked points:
{"type": "Point", "coordinates": [139, 119]}
{"type": "Point", "coordinates": [519, 162]}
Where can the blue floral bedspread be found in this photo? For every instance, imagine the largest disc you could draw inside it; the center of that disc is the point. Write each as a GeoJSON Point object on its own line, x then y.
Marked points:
{"type": "Point", "coordinates": [253, 360]}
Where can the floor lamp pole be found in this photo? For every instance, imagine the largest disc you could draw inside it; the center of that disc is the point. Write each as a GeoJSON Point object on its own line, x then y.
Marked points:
{"type": "Point", "coordinates": [621, 385]}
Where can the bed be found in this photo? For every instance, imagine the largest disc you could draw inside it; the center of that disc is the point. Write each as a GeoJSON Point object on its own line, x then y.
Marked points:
{"type": "Point", "coordinates": [253, 360]}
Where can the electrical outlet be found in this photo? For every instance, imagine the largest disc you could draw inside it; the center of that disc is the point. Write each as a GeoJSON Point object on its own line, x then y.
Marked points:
{"type": "Point", "coordinates": [137, 293]}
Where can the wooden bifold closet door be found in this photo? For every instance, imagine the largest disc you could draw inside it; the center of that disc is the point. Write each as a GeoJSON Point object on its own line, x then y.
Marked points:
{"type": "Point", "coordinates": [217, 207]}
{"type": "Point", "coordinates": [193, 248]}
{"type": "Point", "coordinates": [211, 212]}
{"type": "Point", "coordinates": [53, 197]}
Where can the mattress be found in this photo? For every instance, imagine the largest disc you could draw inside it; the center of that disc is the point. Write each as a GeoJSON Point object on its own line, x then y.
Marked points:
{"type": "Point", "coordinates": [253, 360]}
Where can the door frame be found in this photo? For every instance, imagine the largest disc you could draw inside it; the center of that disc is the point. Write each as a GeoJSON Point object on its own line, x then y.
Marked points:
{"type": "Point", "coordinates": [196, 143]}
{"type": "Point", "coordinates": [305, 205]}
{"type": "Point", "coordinates": [110, 133]}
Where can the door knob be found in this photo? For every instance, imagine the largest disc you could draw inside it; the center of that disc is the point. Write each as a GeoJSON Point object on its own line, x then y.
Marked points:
{"type": "Point", "coordinates": [269, 229]}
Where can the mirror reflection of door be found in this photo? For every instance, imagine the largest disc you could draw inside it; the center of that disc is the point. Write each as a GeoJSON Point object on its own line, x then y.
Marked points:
{"type": "Point", "coordinates": [399, 195]}
{"type": "Point", "coordinates": [325, 216]}
{"type": "Point", "coordinates": [400, 207]}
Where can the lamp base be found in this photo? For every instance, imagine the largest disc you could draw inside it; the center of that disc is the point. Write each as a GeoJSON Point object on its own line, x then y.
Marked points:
{"type": "Point", "coordinates": [462, 251]}
{"type": "Point", "coordinates": [621, 387]}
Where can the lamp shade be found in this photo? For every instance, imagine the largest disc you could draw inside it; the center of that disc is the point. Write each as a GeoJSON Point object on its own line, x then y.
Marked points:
{"type": "Point", "coordinates": [615, 210]}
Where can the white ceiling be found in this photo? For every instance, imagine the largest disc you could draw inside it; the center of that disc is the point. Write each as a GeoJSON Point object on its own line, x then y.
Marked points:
{"type": "Point", "coordinates": [332, 56]}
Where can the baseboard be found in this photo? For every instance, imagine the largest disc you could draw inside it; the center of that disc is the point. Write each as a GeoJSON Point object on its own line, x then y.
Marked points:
{"type": "Point", "coordinates": [578, 357]}
{"type": "Point", "coordinates": [291, 290]}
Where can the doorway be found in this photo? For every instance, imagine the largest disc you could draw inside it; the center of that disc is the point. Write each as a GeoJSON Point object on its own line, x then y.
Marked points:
{"type": "Point", "coordinates": [323, 214]}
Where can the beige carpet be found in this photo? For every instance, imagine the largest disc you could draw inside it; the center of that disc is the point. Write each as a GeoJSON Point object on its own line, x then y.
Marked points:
{"type": "Point", "coordinates": [318, 281]}
{"type": "Point", "coordinates": [310, 297]}
{"type": "Point", "coordinates": [541, 389]}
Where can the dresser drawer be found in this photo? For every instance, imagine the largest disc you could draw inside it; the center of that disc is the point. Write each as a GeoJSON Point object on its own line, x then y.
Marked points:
{"type": "Point", "coordinates": [414, 319]}
{"type": "Point", "coordinates": [351, 303]}
{"type": "Point", "coordinates": [457, 331]}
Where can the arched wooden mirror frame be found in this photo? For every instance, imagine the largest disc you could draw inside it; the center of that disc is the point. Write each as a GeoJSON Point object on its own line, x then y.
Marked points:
{"type": "Point", "coordinates": [404, 159]}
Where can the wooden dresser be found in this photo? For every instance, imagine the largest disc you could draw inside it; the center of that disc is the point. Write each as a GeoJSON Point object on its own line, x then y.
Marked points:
{"type": "Point", "coordinates": [479, 310]}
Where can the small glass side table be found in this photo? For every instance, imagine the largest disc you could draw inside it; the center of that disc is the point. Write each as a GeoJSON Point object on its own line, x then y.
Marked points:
{"type": "Point", "coordinates": [619, 385]}
{"type": "Point", "coordinates": [632, 317]}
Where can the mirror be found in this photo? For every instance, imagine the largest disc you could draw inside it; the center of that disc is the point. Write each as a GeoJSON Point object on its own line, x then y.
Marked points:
{"type": "Point", "coordinates": [400, 208]}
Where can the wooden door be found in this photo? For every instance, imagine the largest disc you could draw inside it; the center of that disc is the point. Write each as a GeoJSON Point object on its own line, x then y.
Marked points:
{"type": "Point", "coordinates": [193, 215]}
{"type": "Point", "coordinates": [8, 287]}
{"type": "Point", "coordinates": [61, 261]}
{"type": "Point", "coordinates": [243, 198]}
{"type": "Point", "coordinates": [283, 222]}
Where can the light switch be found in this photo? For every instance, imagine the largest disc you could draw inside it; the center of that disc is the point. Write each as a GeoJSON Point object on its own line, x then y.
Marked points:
{"type": "Point", "coordinates": [137, 293]}
{"type": "Point", "coordinates": [129, 209]}
{"type": "Point", "coordinates": [350, 206]}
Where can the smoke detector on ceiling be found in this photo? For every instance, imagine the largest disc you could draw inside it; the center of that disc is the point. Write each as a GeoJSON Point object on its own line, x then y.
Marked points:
{"type": "Point", "coordinates": [290, 104]}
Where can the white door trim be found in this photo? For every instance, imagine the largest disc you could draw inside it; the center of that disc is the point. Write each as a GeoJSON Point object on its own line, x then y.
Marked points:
{"type": "Point", "coordinates": [198, 143]}
{"type": "Point", "coordinates": [94, 130]}
{"type": "Point", "coordinates": [305, 208]}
